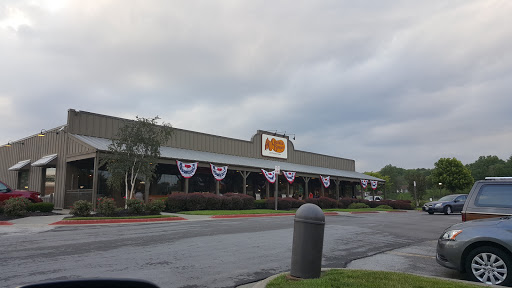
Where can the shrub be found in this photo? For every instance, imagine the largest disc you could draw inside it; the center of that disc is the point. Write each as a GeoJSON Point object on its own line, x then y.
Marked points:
{"type": "Point", "coordinates": [225, 203]}
{"type": "Point", "coordinates": [236, 202]}
{"type": "Point", "coordinates": [384, 207]}
{"type": "Point", "coordinates": [327, 203]}
{"type": "Point", "coordinates": [312, 201]}
{"type": "Point", "coordinates": [81, 208]}
{"type": "Point", "coordinates": [1, 208]}
{"type": "Point", "coordinates": [213, 202]}
{"type": "Point", "coordinates": [284, 203]}
{"type": "Point", "coordinates": [16, 206]}
{"type": "Point", "coordinates": [106, 206]}
{"type": "Point", "coordinates": [176, 202]}
{"type": "Point", "coordinates": [260, 204]}
{"type": "Point", "coordinates": [247, 202]}
{"type": "Point", "coordinates": [358, 206]}
{"type": "Point", "coordinates": [155, 207]}
{"type": "Point", "coordinates": [41, 207]}
{"type": "Point", "coordinates": [297, 203]}
{"type": "Point", "coordinates": [195, 201]}
{"type": "Point", "coordinates": [343, 203]}
{"type": "Point", "coordinates": [135, 206]}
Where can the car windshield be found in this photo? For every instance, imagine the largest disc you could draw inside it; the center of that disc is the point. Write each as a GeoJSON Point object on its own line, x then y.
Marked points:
{"type": "Point", "coordinates": [448, 198]}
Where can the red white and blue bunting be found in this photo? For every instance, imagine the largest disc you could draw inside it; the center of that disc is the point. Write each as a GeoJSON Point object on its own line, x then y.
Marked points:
{"type": "Point", "coordinates": [326, 181]}
{"type": "Point", "coordinates": [219, 173]}
{"type": "Point", "coordinates": [364, 183]}
{"type": "Point", "coordinates": [374, 184]}
{"type": "Point", "coordinates": [290, 176]}
{"type": "Point", "coordinates": [271, 176]}
{"type": "Point", "coordinates": [187, 170]}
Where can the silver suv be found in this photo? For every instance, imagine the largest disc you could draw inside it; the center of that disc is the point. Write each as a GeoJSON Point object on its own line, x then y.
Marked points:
{"type": "Point", "coordinates": [489, 198]}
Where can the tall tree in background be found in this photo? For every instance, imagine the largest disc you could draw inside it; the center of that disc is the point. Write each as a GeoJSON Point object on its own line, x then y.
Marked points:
{"type": "Point", "coordinates": [134, 150]}
{"type": "Point", "coordinates": [488, 166]}
{"type": "Point", "coordinates": [385, 186]}
{"type": "Point", "coordinates": [396, 176]}
{"type": "Point", "coordinates": [419, 176]}
{"type": "Point", "coordinates": [453, 174]}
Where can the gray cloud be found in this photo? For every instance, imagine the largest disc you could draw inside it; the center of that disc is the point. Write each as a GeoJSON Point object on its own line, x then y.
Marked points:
{"type": "Point", "coordinates": [381, 82]}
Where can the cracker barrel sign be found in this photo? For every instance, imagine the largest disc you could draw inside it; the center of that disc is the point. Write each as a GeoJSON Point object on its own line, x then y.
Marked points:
{"type": "Point", "coordinates": [273, 146]}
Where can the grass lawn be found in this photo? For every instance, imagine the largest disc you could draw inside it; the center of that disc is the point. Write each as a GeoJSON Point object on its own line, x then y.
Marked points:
{"type": "Point", "coordinates": [366, 279]}
{"type": "Point", "coordinates": [124, 217]}
{"type": "Point", "coordinates": [235, 212]}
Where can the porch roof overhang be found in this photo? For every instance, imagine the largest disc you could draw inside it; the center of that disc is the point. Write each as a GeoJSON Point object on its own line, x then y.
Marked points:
{"type": "Point", "coordinates": [18, 166]}
{"type": "Point", "coordinates": [45, 160]}
{"type": "Point", "coordinates": [102, 144]}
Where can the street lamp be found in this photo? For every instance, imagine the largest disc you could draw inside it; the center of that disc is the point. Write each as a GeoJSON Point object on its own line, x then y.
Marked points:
{"type": "Point", "coordinates": [440, 184]}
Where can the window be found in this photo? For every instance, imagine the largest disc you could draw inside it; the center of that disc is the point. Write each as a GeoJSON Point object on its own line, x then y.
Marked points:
{"type": "Point", "coordinates": [23, 180]}
{"type": "Point", "coordinates": [49, 181]}
{"type": "Point", "coordinates": [495, 196]}
{"type": "Point", "coordinates": [3, 188]}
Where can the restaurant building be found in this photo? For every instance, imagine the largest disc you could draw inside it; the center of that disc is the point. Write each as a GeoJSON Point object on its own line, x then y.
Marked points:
{"type": "Point", "coordinates": [64, 164]}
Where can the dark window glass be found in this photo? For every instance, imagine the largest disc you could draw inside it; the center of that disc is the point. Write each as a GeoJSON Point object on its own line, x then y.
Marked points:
{"type": "Point", "coordinates": [23, 180]}
{"type": "Point", "coordinates": [495, 196]}
{"type": "Point", "coordinates": [3, 188]}
{"type": "Point", "coordinates": [168, 183]}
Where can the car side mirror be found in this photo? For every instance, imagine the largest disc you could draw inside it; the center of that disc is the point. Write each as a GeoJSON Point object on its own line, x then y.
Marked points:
{"type": "Point", "coordinates": [8, 190]}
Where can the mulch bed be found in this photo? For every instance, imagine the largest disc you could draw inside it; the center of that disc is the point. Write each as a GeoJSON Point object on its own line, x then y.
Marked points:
{"type": "Point", "coordinates": [121, 213]}
{"type": "Point", "coordinates": [4, 217]}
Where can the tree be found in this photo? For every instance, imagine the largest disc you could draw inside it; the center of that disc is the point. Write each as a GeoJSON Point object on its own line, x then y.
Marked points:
{"type": "Point", "coordinates": [134, 152]}
{"type": "Point", "coordinates": [487, 166]}
{"type": "Point", "coordinates": [453, 174]}
{"type": "Point", "coordinates": [418, 176]}
{"type": "Point", "coordinates": [378, 175]}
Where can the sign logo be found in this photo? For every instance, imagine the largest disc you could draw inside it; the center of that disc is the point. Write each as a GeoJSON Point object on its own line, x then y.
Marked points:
{"type": "Point", "coordinates": [273, 146]}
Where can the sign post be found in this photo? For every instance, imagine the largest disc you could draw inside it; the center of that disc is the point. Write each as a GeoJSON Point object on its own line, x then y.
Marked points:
{"type": "Point", "coordinates": [277, 170]}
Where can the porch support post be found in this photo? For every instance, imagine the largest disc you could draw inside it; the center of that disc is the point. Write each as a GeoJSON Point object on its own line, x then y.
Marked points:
{"type": "Point", "coordinates": [186, 185]}
{"type": "Point", "coordinates": [306, 181]}
{"type": "Point", "coordinates": [95, 181]}
{"type": "Point", "coordinates": [337, 182]}
{"type": "Point", "coordinates": [322, 189]}
{"type": "Point", "coordinates": [147, 183]}
{"type": "Point", "coordinates": [267, 188]}
{"type": "Point", "coordinates": [244, 174]}
{"type": "Point", "coordinates": [353, 190]}
{"type": "Point", "coordinates": [288, 189]}
{"type": "Point", "coordinates": [217, 187]}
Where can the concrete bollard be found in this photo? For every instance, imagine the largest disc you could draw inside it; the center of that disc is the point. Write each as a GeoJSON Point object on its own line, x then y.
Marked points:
{"type": "Point", "coordinates": [308, 242]}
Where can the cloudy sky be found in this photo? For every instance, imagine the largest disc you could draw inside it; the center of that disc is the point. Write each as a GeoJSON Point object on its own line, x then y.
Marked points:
{"type": "Point", "coordinates": [382, 82]}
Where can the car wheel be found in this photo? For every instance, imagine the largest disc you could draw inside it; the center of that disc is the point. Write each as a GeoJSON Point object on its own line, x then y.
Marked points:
{"type": "Point", "coordinates": [447, 210]}
{"type": "Point", "coordinates": [489, 265]}
{"type": "Point", "coordinates": [430, 212]}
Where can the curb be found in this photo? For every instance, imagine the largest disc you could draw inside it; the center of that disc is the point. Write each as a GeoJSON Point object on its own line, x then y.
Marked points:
{"type": "Point", "coordinates": [397, 211]}
{"type": "Point", "coordinates": [5, 223]}
{"type": "Point", "coordinates": [264, 215]}
{"type": "Point", "coordinates": [115, 221]}
{"type": "Point", "coordinates": [365, 212]}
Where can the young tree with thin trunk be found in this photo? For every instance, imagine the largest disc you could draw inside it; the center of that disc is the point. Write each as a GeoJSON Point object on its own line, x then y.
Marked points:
{"type": "Point", "coordinates": [134, 152]}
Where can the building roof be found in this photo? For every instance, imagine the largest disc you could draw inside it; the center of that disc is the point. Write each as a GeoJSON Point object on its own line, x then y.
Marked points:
{"type": "Point", "coordinates": [45, 160]}
{"type": "Point", "coordinates": [224, 159]}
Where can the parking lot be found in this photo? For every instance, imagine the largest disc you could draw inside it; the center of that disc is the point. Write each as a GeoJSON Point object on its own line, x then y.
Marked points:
{"type": "Point", "coordinates": [221, 253]}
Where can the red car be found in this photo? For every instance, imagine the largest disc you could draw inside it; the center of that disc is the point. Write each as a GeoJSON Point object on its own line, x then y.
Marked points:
{"type": "Point", "coordinates": [6, 192]}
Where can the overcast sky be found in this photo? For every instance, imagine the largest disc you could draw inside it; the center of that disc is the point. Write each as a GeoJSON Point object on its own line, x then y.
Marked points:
{"type": "Point", "coordinates": [381, 82]}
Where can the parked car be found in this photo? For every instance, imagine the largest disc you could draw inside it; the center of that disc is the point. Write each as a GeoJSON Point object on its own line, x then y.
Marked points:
{"type": "Point", "coordinates": [482, 249]}
{"type": "Point", "coordinates": [489, 198]}
{"type": "Point", "coordinates": [6, 192]}
{"type": "Point", "coordinates": [447, 204]}
{"type": "Point", "coordinates": [372, 198]}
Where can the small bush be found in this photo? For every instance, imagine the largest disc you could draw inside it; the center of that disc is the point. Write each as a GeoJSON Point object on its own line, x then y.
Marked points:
{"type": "Point", "coordinates": [225, 203]}
{"type": "Point", "coordinates": [260, 204]}
{"type": "Point", "coordinates": [236, 203]}
{"type": "Point", "coordinates": [327, 203]}
{"type": "Point", "coordinates": [16, 206]}
{"type": "Point", "coordinates": [1, 208]}
{"type": "Point", "coordinates": [213, 202]}
{"type": "Point", "coordinates": [384, 207]}
{"type": "Point", "coordinates": [284, 203]}
{"type": "Point", "coordinates": [106, 206]}
{"type": "Point", "coordinates": [343, 203]}
{"type": "Point", "coordinates": [41, 207]}
{"type": "Point", "coordinates": [176, 202]}
{"type": "Point", "coordinates": [135, 206]}
{"type": "Point", "coordinates": [358, 206]}
{"type": "Point", "coordinates": [81, 208]}
{"type": "Point", "coordinates": [196, 201]}
{"type": "Point", "coordinates": [297, 203]}
{"type": "Point", "coordinates": [155, 207]}
{"type": "Point", "coordinates": [313, 201]}
{"type": "Point", "coordinates": [247, 202]}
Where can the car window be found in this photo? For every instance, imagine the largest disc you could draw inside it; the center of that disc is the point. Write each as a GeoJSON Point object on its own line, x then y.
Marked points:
{"type": "Point", "coordinates": [3, 188]}
{"type": "Point", "coordinates": [499, 195]}
{"type": "Point", "coordinates": [461, 198]}
{"type": "Point", "coordinates": [448, 198]}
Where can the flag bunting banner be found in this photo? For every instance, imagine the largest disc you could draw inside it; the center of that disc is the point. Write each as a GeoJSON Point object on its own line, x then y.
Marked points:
{"type": "Point", "coordinates": [374, 184]}
{"type": "Point", "coordinates": [187, 170]}
{"type": "Point", "coordinates": [219, 173]}
{"type": "Point", "coordinates": [364, 183]}
{"type": "Point", "coordinates": [326, 181]}
{"type": "Point", "coordinates": [271, 176]}
{"type": "Point", "coordinates": [290, 176]}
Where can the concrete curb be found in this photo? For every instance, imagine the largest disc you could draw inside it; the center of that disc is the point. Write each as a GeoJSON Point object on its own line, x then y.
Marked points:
{"type": "Point", "coordinates": [264, 215]}
{"type": "Point", "coordinates": [115, 221]}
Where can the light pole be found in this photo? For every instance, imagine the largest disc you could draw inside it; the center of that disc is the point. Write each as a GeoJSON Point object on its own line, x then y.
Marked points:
{"type": "Point", "coordinates": [440, 184]}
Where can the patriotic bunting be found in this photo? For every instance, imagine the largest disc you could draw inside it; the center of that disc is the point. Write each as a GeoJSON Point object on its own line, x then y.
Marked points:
{"type": "Point", "coordinates": [290, 176]}
{"type": "Point", "coordinates": [271, 176]}
{"type": "Point", "coordinates": [187, 170]}
{"type": "Point", "coordinates": [219, 172]}
{"type": "Point", "coordinates": [374, 184]}
{"type": "Point", "coordinates": [364, 183]}
{"type": "Point", "coordinates": [326, 181]}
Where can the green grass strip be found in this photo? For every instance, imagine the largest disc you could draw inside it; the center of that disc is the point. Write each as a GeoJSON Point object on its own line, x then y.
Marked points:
{"type": "Point", "coordinates": [236, 212]}
{"type": "Point", "coordinates": [125, 217]}
{"type": "Point", "coordinates": [366, 279]}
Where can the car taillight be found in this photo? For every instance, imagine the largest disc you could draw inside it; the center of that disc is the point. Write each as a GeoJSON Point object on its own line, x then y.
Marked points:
{"type": "Point", "coordinates": [463, 217]}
